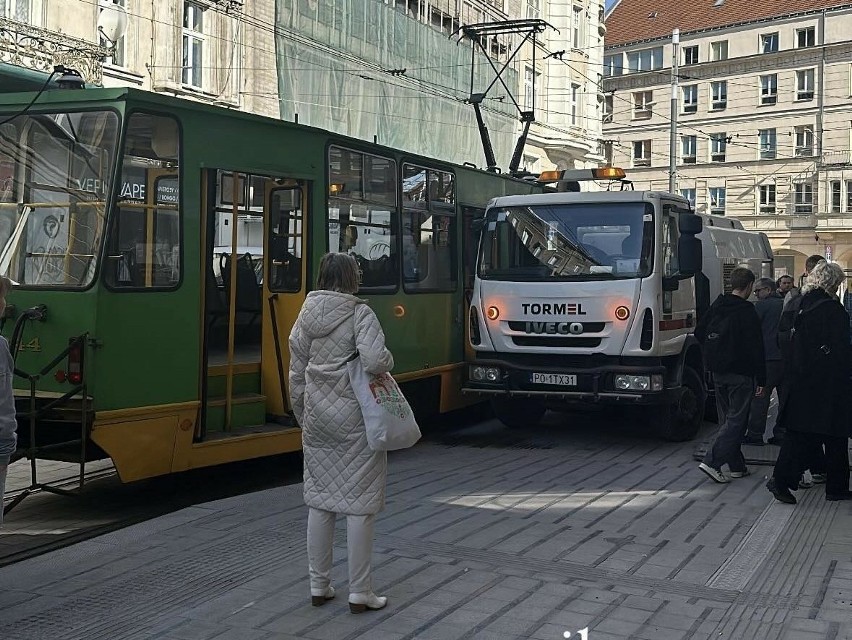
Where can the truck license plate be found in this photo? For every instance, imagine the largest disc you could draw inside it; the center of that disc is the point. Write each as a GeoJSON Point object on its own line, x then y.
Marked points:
{"type": "Point", "coordinates": [558, 379]}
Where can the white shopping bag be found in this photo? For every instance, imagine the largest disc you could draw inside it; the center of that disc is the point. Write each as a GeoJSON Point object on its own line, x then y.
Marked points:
{"type": "Point", "coordinates": [387, 415]}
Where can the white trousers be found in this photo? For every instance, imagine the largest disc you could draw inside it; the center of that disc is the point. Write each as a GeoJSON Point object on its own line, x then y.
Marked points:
{"type": "Point", "coordinates": [359, 543]}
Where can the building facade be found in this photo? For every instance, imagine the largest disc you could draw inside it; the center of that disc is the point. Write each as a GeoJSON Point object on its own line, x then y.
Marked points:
{"type": "Point", "coordinates": [385, 70]}
{"type": "Point", "coordinates": [764, 121]}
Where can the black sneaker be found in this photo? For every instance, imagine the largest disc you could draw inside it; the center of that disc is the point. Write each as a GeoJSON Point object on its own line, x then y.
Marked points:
{"type": "Point", "coordinates": [757, 441]}
{"type": "Point", "coordinates": [782, 495]}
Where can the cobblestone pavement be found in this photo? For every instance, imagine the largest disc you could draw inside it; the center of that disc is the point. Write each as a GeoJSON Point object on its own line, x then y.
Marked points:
{"type": "Point", "coordinates": [488, 533]}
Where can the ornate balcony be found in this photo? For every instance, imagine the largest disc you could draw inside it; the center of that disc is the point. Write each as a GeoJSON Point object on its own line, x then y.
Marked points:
{"type": "Point", "coordinates": [39, 49]}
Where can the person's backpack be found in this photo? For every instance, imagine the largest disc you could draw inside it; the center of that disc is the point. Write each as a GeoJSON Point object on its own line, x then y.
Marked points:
{"type": "Point", "coordinates": [789, 313]}
{"type": "Point", "coordinates": [720, 342]}
{"type": "Point", "coordinates": [807, 351]}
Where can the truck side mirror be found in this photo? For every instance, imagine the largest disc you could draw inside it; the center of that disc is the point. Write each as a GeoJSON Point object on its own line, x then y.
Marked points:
{"type": "Point", "coordinates": [689, 254]}
{"type": "Point", "coordinates": [690, 224]}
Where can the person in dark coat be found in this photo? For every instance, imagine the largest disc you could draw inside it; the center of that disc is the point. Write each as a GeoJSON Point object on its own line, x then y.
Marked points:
{"type": "Point", "coordinates": [768, 307]}
{"type": "Point", "coordinates": [816, 415]}
{"type": "Point", "coordinates": [733, 347]}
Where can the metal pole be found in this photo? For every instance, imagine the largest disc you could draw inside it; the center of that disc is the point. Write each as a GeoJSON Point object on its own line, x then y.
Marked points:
{"type": "Point", "coordinates": [673, 133]}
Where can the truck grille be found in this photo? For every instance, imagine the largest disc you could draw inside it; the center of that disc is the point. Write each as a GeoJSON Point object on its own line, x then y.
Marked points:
{"type": "Point", "coordinates": [588, 327]}
{"type": "Point", "coordinates": [555, 341]}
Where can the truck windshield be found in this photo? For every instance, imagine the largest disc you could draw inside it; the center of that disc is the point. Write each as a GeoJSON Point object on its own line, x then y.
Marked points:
{"type": "Point", "coordinates": [55, 173]}
{"type": "Point", "coordinates": [583, 241]}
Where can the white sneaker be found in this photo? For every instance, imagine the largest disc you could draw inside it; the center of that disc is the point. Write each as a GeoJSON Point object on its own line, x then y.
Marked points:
{"type": "Point", "coordinates": [715, 474]}
{"type": "Point", "coordinates": [806, 481]}
{"type": "Point", "coordinates": [361, 602]}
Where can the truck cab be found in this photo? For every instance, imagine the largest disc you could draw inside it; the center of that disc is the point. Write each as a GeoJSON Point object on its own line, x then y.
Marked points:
{"type": "Point", "coordinates": [593, 297]}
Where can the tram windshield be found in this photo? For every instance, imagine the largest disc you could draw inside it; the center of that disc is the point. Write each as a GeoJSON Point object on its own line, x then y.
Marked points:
{"type": "Point", "coordinates": [55, 174]}
{"type": "Point", "coordinates": [583, 241]}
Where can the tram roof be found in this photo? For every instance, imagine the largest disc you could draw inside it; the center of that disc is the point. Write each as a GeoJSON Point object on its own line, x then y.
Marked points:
{"type": "Point", "coordinates": [67, 98]}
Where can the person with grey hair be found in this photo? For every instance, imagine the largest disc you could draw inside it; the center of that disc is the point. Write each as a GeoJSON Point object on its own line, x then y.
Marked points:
{"type": "Point", "coordinates": [768, 307]}
{"type": "Point", "coordinates": [342, 475]}
{"type": "Point", "coordinates": [8, 423]}
{"type": "Point", "coordinates": [821, 365]}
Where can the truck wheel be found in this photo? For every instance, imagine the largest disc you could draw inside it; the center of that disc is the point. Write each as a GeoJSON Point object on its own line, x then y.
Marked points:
{"type": "Point", "coordinates": [681, 420]}
{"type": "Point", "coordinates": [518, 412]}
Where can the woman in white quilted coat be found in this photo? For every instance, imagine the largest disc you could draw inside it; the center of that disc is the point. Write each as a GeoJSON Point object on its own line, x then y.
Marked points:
{"type": "Point", "coordinates": [342, 474]}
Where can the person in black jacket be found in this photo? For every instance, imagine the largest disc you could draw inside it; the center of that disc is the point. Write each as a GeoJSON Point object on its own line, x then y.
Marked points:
{"type": "Point", "coordinates": [816, 414]}
{"type": "Point", "coordinates": [733, 349]}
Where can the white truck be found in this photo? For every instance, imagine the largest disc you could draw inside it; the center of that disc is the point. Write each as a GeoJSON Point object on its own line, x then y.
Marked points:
{"type": "Point", "coordinates": [594, 298]}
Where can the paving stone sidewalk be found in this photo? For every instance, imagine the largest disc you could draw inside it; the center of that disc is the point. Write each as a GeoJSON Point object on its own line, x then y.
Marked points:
{"type": "Point", "coordinates": [622, 540]}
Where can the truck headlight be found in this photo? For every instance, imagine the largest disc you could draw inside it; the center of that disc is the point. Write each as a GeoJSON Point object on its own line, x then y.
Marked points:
{"type": "Point", "coordinates": [625, 382]}
{"type": "Point", "coordinates": [485, 374]}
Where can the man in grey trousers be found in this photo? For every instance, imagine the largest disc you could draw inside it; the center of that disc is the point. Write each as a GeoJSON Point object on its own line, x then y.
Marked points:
{"type": "Point", "coordinates": [768, 306]}
{"type": "Point", "coordinates": [733, 349]}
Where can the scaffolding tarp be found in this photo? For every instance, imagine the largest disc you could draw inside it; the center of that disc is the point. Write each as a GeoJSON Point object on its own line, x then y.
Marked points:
{"type": "Point", "coordinates": [334, 59]}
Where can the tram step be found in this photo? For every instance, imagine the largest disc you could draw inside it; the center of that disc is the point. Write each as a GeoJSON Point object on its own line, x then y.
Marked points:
{"type": "Point", "coordinates": [246, 409]}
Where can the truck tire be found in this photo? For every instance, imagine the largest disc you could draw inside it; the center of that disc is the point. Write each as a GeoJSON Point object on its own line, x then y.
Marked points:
{"type": "Point", "coordinates": [518, 413]}
{"type": "Point", "coordinates": [681, 420]}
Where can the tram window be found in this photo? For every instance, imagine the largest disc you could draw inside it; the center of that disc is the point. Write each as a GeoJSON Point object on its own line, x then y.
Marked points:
{"type": "Point", "coordinates": [362, 215]}
{"type": "Point", "coordinates": [55, 172]}
{"type": "Point", "coordinates": [428, 230]}
{"type": "Point", "coordinates": [144, 250]}
{"type": "Point", "coordinates": [285, 240]}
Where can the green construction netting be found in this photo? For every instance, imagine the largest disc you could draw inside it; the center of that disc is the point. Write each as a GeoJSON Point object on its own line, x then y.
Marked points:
{"type": "Point", "coordinates": [327, 51]}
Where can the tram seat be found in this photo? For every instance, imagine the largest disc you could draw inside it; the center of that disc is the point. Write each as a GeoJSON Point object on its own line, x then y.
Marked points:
{"type": "Point", "coordinates": [248, 294]}
{"type": "Point", "coordinates": [216, 307]}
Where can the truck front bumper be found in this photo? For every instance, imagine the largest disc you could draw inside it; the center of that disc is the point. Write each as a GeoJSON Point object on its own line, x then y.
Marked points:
{"type": "Point", "coordinates": [595, 383]}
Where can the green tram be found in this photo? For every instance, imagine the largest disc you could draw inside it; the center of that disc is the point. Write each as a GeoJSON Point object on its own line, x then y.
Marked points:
{"type": "Point", "coordinates": [161, 250]}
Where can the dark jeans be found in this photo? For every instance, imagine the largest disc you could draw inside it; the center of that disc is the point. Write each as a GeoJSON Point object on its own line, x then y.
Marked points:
{"type": "Point", "coordinates": [796, 456]}
{"type": "Point", "coordinates": [733, 399]}
{"type": "Point", "coordinates": [760, 405]}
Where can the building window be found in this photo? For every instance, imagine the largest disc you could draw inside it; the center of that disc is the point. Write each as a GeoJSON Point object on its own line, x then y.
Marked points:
{"type": "Point", "coordinates": [688, 146]}
{"type": "Point", "coordinates": [717, 201]}
{"type": "Point", "coordinates": [642, 103]}
{"type": "Point", "coordinates": [805, 37]}
{"type": "Point", "coordinates": [689, 194]}
{"type": "Point", "coordinates": [768, 145]}
{"type": "Point", "coordinates": [718, 147]}
{"type": "Point", "coordinates": [575, 104]}
{"type": "Point", "coordinates": [608, 152]}
{"type": "Point", "coordinates": [645, 60]}
{"type": "Point", "coordinates": [17, 10]}
{"type": "Point", "coordinates": [767, 198]}
{"type": "Point", "coordinates": [719, 94]}
{"type": "Point", "coordinates": [690, 55]}
{"type": "Point", "coordinates": [529, 88]}
{"type": "Point", "coordinates": [769, 42]}
{"type": "Point", "coordinates": [719, 50]}
{"type": "Point", "coordinates": [690, 98]}
{"type": "Point", "coordinates": [769, 89]}
{"type": "Point", "coordinates": [579, 33]}
{"type": "Point", "coordinates": [193, 44]}
{"type": "Point", "coordinates": [608, 107]}
{"type": "Point", "coordinates": [803, 197]}
{"type": "Point", "coordinates": [835, 196]}
{"type": "Point", "coordinates": [641, 153]}
{"type": "Point", "coordinates": [849, 196]}
{"type": "Point", "coordinates": [805, 84]}
{"type": "Point", "coordinates": [613, 65]}
{"type": "Point", "coordinates": [119, 53]}
{"type": "Point", "coordinates": [804, 140]}
{"type": "Point", "coordinates": [533, 9]}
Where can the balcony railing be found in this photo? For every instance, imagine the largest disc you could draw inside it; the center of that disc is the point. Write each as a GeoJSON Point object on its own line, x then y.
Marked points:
{"type": "Point", "coordinates": [39, 49]}
{"type": "Point", "coordinates": [835, 158]}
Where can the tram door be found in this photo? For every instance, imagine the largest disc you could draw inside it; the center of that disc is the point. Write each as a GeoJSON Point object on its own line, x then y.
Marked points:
{"type": "Point", "coordinates": [253, 245]}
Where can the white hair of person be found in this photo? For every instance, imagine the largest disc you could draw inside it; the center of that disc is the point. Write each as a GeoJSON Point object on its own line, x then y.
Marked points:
{"type": "Point", "coordinates": [827, 276]}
